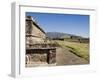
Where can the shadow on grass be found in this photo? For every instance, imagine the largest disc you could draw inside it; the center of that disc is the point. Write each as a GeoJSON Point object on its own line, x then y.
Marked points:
{"type": "Point", "coordinates": [74, 51]}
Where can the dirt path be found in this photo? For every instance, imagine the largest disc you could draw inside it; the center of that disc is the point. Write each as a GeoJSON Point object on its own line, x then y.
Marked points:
{"type": "Point", "coordinates": [65, 57]}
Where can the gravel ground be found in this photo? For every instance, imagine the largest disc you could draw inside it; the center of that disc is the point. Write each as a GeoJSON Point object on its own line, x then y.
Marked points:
{"type": "Point", "coordinates": [65, 57]}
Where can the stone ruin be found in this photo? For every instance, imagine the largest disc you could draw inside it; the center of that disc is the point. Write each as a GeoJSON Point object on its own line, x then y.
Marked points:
{"type": "Point", "coordinates": [39, 49]}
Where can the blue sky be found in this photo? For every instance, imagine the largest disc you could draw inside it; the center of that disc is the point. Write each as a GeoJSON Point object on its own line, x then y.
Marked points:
{"type": "Point", "coordinates": [66, 23]}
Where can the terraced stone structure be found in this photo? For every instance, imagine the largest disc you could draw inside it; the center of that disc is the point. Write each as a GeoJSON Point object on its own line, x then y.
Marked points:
{"type": "Point", "coordinates": [38, 47]}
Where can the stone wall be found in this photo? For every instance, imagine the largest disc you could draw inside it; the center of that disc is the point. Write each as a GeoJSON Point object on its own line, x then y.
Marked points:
{"type": "Point", "coordinates": [34, 33]}
{"type": "Point", "coordinates": [42, 55]}
{"type": "Point", "coordinates": [37, 48]}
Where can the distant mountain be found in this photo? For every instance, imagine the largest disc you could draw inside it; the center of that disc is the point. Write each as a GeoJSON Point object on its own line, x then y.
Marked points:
{"type": "Point", "coordinates": [55, 35]}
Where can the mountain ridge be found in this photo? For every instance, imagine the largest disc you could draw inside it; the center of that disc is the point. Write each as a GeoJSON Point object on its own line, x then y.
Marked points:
{"type": "Point", "coordinates": [53, 35]}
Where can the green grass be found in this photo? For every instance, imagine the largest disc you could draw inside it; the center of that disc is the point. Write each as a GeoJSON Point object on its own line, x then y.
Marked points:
{"type": "Point", "coordinates": [80, 49]}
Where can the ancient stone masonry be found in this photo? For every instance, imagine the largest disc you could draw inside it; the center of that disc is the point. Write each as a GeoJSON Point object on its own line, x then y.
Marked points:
{"type": "Point", "coordinates": [34, 34]}
{"type": "Point", "coordinates": [38, 47]}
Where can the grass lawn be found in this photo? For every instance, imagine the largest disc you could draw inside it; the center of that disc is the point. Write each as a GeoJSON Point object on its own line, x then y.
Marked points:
{"type": "Point", "coordinates": [80, 49]}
